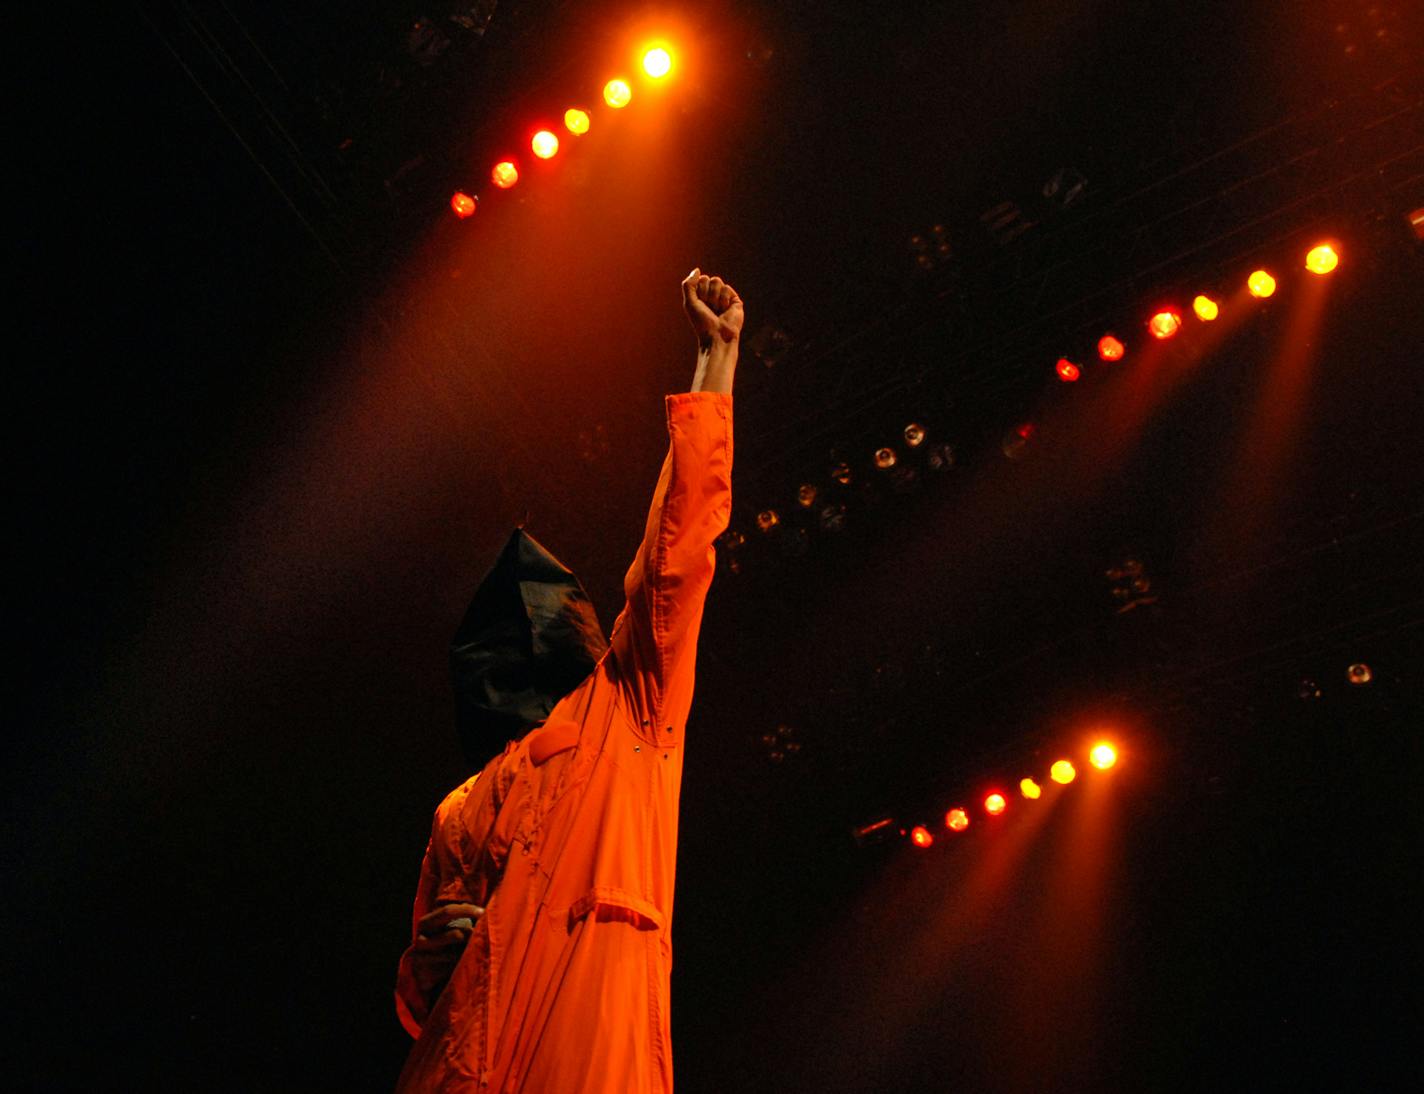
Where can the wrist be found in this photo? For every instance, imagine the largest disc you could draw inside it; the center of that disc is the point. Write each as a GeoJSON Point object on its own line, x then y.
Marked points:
{"type": "Point", "coordinates": [716, 366]}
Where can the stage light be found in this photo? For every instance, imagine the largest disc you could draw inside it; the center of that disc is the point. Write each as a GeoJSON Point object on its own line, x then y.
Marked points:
{"type": "Point", "coordinates": [1322, 259]}
{"type": "Point", "coordinates": [657, 62]}
{"type": "Point", "coordinates": [1261, 284]}
{"type": "Point", "coordinates": [1029, 789]}
{"type": "Point", "coordinates": [885, 458]}
{"type": "Point", "coordinates": [768, 519]}
{"type": "Point", "coordinates": [1164, 324]}
{"type": "Point", "coordinates": [617, 94]}
{"type": "Point", "coordinates": [840, 472]}
{"type": "Point", "coordinates": [1067, 370]}
{"type": "Point", "coordinates": [956, 820]}
{"type": "Point", "coordinates": [806, 496]}
{"type": "Point", "coordinates": [576, 121]}
{"type": "Point", "coordinates": [833, 517]}
{"type": "Point", "coordinates": [463, 205]}
{"type": "Point", "coordinates": [734, 539]}
{"type": "Point", "coordinates": [1063, 772]}
{"type": "Point", "coordinates": [1206, 308]}
{"type": "Point", "coordinates": [505, 174]}
{"type": "Point", "coordinates": [914, 435]}
{"type": "Point", "coordinates": [1110, 349]}
{"type": "Point", "coordinates": [1103, 755]}
{"type": "Point", "coordinates": [995, 804]}
{"type": "Point", "coordinates": [545, 144]}
{"type": "Point", "coordinates": [1015, 442]}
{"type": "Point", "coordinates": [1359, 674]}
{"type": "Point", "coordinates": [941, 457]}
{"type": "Point", "coordinates": [920, 836]}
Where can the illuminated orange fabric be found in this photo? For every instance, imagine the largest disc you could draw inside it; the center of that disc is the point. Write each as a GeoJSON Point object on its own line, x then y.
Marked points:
{"type": "Point", "coordinates": [569, 838]}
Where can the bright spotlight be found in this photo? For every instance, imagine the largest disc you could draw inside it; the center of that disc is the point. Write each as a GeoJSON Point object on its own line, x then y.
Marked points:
{"type": "Point", "coordinates": [1067, 370]}
{"type": "Point", "coordinates": [1322, 259]}
{"type": "Point", "coordinates": [956, 820]}
{"type": "Point", "coordinates": [1103, 755]}
{"type": "Point", "coordinates": [505, 174]}
{"type": "Point", "coordinates": [545, 144]}
{"type": "Point", "coordinates": [1063, 772]}
{"type": "Point", "coordinates": [920, 836]}
{"type": "Point", "coordinates": [995, 804]}
{"type": "Point", "coordinates": [1164, 324]}
{"type": "Point", "coordinates": [617, 93]}
{"type": "Point", "coordinates": [1029, 789]}
{"type": "Point", "coordinates": [1110, 349]}
{"type": "Point", "coordinates": [1261, 284]}
{"type": "Point", "coordinates": [576, 121]}
{"type": "Point", "coordinates": [462, 204]}
{"type": "Point", "coordinates": [657, 62]}
{"type": "Point", "coordinates": [1206, 308]}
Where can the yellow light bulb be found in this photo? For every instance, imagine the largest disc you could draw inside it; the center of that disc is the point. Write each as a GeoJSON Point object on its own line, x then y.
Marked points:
{"type": "Point", "coordinates": [1261, 284]}
{"type": "Point", "coordinates": [617, 94]}
{"type": "Point", "coordinates": [1322, 259]}
{"type": "Point", "coordinates": [657, 62]}
{"type": "Point", "coordinates": [1103, 755]}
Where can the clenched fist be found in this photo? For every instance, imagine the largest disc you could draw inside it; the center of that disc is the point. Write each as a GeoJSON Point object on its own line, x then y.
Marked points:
{"type": "Point", "coordinates": [439, 943]}
{"type": "Point", "coordinates": [713, 308]}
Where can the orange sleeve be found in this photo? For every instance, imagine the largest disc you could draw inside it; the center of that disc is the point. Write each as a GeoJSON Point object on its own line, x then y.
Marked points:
{"type": "Point", "coordinates": [442, 881]}
{"type": "Point", "coordinates": [655, 638]}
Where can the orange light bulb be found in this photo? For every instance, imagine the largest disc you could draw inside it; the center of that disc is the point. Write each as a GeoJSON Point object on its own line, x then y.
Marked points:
{"type": "Point", "coordinates": [462, 204]}
{"type": "Point", "coordinates": [1164, 324]}
{"type": "Point", "coordinates": [1110, 349]}
{"type": "Point", "coordinates": [505, 174]}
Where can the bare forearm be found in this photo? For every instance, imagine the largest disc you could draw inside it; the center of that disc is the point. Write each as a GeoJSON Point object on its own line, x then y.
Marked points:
{"type": "Point", "coordinates": [716, 367]}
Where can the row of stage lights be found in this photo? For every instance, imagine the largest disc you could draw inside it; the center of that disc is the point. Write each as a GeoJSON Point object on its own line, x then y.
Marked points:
{"type": "Point", "coordinates": [657, 64]}
{"type": "Point", "coordinates": [1102, 756]}
{"type": "Point", "coordinates": [1167, 322]}
{"type": "Point", "coordinates": [901, 473]}
{"type": "Point", "coordinates": [830, 511]}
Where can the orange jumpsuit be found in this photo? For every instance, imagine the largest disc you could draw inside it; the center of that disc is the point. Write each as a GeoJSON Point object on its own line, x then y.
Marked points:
{"type": "Point", "coordinates": [569, 838]}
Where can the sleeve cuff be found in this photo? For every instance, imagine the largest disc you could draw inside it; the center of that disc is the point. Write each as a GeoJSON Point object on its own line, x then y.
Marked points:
{"type": "Point", "coordinates": [689, 405]}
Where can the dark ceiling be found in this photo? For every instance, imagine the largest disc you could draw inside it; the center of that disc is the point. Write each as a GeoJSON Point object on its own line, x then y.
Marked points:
{"type": "Point", "coordinates": [278, 409]}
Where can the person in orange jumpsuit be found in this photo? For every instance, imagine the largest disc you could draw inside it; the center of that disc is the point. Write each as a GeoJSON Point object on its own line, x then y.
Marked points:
{"type": "Point", "coordinates": [541, 948]}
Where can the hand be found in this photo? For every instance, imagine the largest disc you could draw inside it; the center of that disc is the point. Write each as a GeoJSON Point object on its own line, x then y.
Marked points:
{"type": "Point", "coordinates": [713, 308]}
{"type": "Point", "coordinates": [438, 945]}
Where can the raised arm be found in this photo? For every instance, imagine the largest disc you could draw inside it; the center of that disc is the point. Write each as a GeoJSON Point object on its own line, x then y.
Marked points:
{"type": "Point", "coordinates": [655, 639]}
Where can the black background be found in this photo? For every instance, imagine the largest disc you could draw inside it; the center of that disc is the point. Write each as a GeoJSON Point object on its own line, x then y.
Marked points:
{"type": "Point", "coordinates": [276, 414]}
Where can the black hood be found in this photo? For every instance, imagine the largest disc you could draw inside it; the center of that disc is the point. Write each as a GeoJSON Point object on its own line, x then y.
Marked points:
{"type": "Point", "coordinates": [529, 637]}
